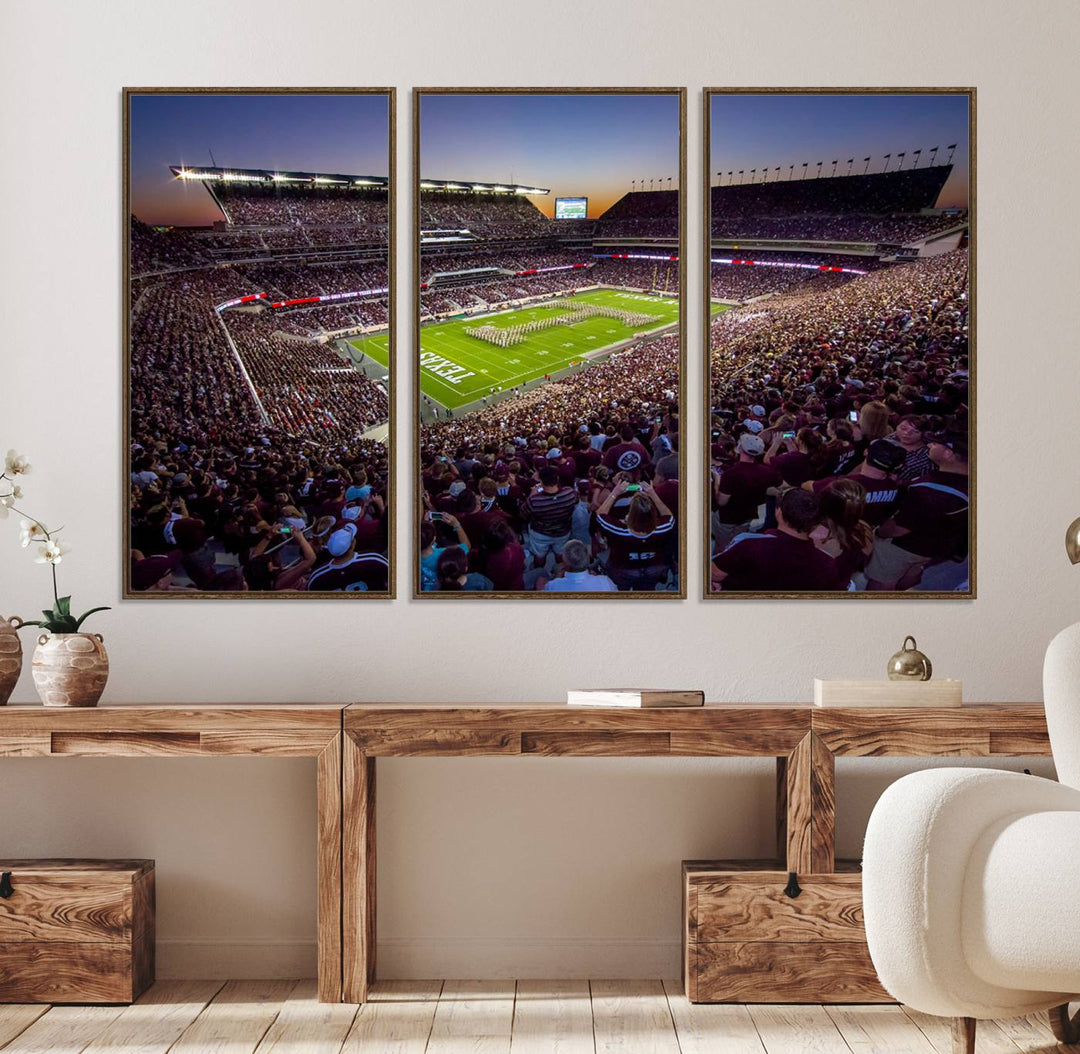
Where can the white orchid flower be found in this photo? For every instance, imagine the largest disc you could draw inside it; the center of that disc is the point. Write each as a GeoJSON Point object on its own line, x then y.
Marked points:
{"type": "Point", "coordinates": [16, 464]}
{"type": "Point", "coordinates": [31, 531]}
{"type": "Point", "coordinates": [52, 552]}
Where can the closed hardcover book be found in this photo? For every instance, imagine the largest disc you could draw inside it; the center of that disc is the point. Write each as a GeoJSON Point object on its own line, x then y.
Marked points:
{"type": "Point", "coordinates": [633, 697]}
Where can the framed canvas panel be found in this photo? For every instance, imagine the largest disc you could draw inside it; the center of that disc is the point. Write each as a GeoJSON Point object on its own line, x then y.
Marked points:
{"type": "Point", "coordinates": [548, 304]}
{"type": "Point", "coordinates": [258, 317]}
{"type": "Point", "coordinates": [840, 337]}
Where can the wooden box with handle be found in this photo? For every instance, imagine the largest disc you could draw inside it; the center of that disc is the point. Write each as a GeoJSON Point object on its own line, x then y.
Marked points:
{"type": "Point", "coordinates": [76, 931]}
{"type": "Point", "coordinates": [754, 933]}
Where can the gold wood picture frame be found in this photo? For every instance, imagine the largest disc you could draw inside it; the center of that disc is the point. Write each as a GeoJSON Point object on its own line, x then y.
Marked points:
{"type": "Point", "coordinates": [259, 363]}
{"type": "Point", "coordinates": [838, 320]}
{"type": "Point", "coordinates": [489, 447]}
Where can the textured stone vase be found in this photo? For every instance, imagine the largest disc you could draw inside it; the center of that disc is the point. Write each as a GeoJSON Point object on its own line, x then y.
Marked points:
{"type": "Point", "coordinates": [10, 656]}
{"type": "Point", "coordinates": [70, 669]}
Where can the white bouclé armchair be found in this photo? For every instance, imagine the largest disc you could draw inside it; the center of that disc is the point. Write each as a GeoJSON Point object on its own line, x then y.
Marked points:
{"type": "Point", "coordinates": [971, 880]}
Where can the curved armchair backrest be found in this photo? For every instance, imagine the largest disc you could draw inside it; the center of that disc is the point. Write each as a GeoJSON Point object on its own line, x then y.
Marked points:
{"type": "Point", "coordinates": [1061, 692]}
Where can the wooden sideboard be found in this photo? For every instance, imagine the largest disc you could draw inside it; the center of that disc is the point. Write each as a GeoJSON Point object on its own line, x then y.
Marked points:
{"type": "Point", "coordinates": [206, 730]}
{"type": "Point", "coordinates": [346, 740]}
{"type": "Point", "coordinates": [805, 741]}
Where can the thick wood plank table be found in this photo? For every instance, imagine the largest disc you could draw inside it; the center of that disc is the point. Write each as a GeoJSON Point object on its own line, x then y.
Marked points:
{"type": "Point", "coordinates": [804, 739]}
{"type": "Point", "coordinates": [208, 730]}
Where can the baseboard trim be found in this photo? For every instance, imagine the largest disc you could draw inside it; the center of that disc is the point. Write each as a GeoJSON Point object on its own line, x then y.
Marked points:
{"type": "Point", "coordinates": [416, 958]}
{"type": "Point", "coordinates": [419, 958]}
{"type": "Point", "coordinates": [222, 958]}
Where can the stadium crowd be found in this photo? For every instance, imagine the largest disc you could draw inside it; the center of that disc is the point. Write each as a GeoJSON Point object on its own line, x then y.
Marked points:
{"type": "Point", "coordinates": [740, 282]}
{"type": "Point", "coordinates": [846, 228]}
{"type": "Point", "coordinates": [840, 435]}
{"type": "Point", "coordinates": [221, 500]}
{"type": "Point", "coordinates": [484, 215]}
{"type": "Point", "coordinates": [570, 486]}
{"type": "Point", "coordinates": [307, 209]}
{"type": "Point", "coordinates": [230, 492]}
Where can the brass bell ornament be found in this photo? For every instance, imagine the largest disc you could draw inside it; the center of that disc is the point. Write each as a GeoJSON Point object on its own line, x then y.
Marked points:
{"type": "Point", "coordinates": [910, 664]}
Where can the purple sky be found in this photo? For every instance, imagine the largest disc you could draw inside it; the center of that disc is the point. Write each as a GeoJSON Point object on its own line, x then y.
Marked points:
{"type": "Point", "coordinates": [347, 133]}
{"type": "Point", "coordinates": [588, 146]}
{"type": "Point", "coordinates": [753, 131]}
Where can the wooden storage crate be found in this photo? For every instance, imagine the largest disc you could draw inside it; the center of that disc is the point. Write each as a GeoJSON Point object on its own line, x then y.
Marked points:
{"type": "Point", "coordinates": [746, 940]}
{"type": "Point", "coordinates": [76, 931]}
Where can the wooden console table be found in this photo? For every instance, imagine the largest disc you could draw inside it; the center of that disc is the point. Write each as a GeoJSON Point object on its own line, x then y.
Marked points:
{"type": "Point", "coordinates": [206, 730]}
{"type": "Point", "coordinates": [347, 740]}
{"type": "Point", "coordinates": [804, 739]}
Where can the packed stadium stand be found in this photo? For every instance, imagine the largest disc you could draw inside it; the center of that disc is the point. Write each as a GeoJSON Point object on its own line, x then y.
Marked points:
{"type": "Point", "coordinates": [839, 385]}
{"type": "Point", "coordinates": [594, 450]}
{"type": "Point", "coordinates": [254, 449]}
{"type": "Point", "coordinates": [848, 299]}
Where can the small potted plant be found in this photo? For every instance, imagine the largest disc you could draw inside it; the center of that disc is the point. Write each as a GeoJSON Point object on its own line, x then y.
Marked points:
{"type": "Point", "coordinates": [70, 667]}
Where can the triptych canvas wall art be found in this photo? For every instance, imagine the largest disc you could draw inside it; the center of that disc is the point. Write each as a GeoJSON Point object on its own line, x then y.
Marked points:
{"type": "Point", "coordinates": [258, 291]}
{"type": "Point", "coordinates": [548, 351]}
{"type": "Point", "coordinates": [839, 395]}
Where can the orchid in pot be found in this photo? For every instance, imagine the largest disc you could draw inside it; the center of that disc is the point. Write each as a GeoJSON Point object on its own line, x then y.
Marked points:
{"type": "Point", "coordinates": [70, 667]}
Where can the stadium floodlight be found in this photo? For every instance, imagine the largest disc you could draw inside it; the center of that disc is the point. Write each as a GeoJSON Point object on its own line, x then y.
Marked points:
{"type": "Point", "coordinates": [522, 190]}
{"type": "Point", "coordinates": [479, 186]}
{"type": "Point", "coordinates": [326, 179]}
{"type": "Point", "coordinates": [428, 186]}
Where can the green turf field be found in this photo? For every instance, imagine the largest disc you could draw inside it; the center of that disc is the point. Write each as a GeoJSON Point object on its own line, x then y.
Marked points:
{"type": "Point", "coordinates": [477, 366]}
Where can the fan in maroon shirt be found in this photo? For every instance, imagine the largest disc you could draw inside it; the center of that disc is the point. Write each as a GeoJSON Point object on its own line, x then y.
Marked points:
{"type": "Point", "coordinates": [348, 570]}
{"type": "Point", "coordinates": [745, 485]}
{"type": "Point", "coordinates": [500, 556]}
{"type": "Point", "coordinates": [876, 476]}
{"type": "Point", "coordinates": [628, 455]}
{"type": "Point", "coordinates": [781, 560]}
{"type": "Point", "coordinates": [931, 524]}
{"type": "Point", "coordinates": [666, 481]}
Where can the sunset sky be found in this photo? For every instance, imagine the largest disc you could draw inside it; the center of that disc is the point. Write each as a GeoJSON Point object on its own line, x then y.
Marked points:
{"type": "Point", "coordinates": [754, 131]}
{"type": "Point", "coordinates": [343, 133]}
{"type": "Point", "coordinates": [588, 146]}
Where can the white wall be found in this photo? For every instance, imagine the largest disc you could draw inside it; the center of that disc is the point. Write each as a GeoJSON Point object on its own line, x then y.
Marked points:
{"type": "Point", "coordinates": [488, 865]}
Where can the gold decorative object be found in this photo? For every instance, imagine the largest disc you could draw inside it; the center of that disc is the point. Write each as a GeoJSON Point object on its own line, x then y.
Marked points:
{"type": "Point", "coordinates": [70, 669]}
{"type": "Point", "coordinates": [10, 656]}
{"type": "Point", "coordinates": [909, 664]}
{"type": "Point", "coordinates": [1072, 541]}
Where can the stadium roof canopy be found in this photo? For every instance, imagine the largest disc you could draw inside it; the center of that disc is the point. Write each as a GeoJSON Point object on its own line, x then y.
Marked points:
{"type": "Point", "coordinates": [479, 188]}
{"type": "Point", "coordinates": [264, 175]}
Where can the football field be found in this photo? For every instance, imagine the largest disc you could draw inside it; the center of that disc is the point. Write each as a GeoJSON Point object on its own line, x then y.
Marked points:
{"type": "Point", "coordinates": [458, 369]}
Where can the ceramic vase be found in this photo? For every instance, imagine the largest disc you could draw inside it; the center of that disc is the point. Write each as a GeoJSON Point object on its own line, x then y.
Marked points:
{"type": "Point", "coordinates": [70, 669]}
{"type": "Point", "coordinates": [10, 656]}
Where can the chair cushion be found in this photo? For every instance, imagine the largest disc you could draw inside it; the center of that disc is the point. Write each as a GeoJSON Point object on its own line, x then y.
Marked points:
{"type": "Point", "coordinates": [919, 843]}
{"type": "Point", "coordinates": [1021, 903]}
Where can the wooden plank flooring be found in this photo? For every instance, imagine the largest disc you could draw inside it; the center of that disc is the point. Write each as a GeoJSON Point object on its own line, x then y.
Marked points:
{"type": "Point", "coordinates": [485, 1017]}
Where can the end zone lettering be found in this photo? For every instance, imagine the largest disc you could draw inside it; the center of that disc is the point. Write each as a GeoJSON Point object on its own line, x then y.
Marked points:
{"type": "Point", "coordinates": [442, 367]}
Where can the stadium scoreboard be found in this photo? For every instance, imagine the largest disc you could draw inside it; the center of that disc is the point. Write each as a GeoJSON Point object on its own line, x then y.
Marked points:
{"type": "Point", "coordinates": [571, 208]}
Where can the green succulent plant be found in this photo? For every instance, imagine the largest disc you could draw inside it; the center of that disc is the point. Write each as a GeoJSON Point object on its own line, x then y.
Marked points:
{"type": "Point", "coordinates": [60, 619]}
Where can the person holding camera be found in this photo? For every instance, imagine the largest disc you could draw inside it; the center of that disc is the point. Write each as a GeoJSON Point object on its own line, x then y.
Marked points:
{"type": "Point", "coordinates": [638, 549]}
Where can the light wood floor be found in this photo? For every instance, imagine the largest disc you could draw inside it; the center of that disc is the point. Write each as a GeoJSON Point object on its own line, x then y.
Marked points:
{"type": "Point", "coordinates": [483, 1017]}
